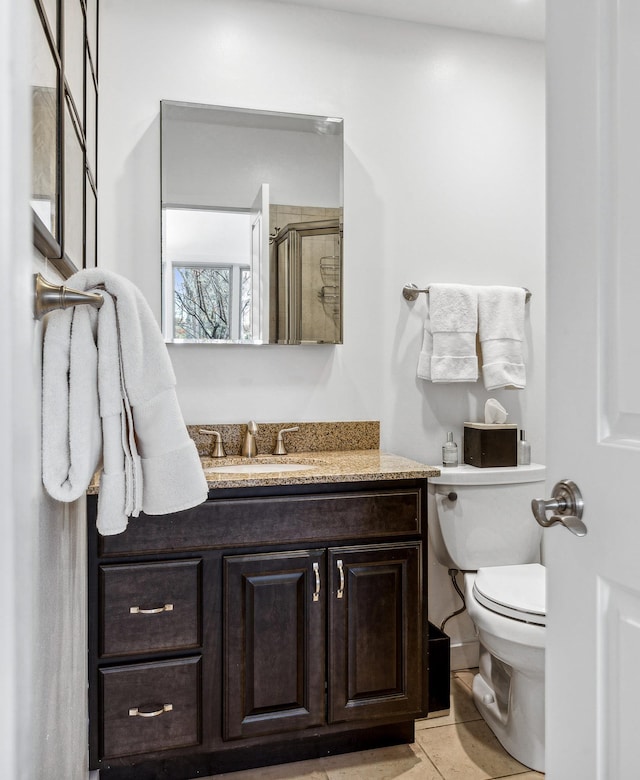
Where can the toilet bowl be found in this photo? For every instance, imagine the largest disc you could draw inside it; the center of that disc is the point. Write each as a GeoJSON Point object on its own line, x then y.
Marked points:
{"type": "Point", "coordinates": [506, 605]}
{"type": "Point", "coordinates": [480, 523]}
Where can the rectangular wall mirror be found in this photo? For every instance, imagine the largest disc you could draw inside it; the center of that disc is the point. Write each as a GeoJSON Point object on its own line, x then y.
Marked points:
{"type": "Point", "coordinates": [251, 226]}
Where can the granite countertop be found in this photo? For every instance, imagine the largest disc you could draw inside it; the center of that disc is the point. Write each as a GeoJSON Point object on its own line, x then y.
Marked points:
{"type": "Point", "coordinates": [323, 466]}
{"type": "Point", "coordinates": [346, 451]}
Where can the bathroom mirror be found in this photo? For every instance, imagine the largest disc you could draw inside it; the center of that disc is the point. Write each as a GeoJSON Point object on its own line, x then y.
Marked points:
{"type": "Point", "coordinates": [251, 226]}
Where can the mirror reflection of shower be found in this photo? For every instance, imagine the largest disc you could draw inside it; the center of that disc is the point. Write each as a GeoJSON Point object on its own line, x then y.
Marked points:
{"type": "Point", "coordinates": [306, 268]}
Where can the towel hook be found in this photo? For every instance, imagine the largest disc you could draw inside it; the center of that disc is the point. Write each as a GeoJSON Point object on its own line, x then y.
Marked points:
{"type": "Point", "coordinates": [411, 291]}
{"type": "Point", "coordinates": [47, 297]}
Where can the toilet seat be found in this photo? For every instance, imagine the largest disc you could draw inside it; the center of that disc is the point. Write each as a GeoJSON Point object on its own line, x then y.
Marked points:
{"type": "Point", "coordinates": [516, 592]}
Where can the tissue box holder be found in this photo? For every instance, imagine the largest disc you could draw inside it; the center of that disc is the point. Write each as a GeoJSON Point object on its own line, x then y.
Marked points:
{"type": "Point", "coordinates": [487, 446]}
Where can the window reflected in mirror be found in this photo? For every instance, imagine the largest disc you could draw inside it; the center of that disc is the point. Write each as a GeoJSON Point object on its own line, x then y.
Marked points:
{"type": "Point", "coordinates": [208, 257]}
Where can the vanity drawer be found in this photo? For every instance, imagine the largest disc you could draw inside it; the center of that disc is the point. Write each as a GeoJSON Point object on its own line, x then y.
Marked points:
{"type": "Point", "coordinates": [150, 607]}
{"type": "Point", "coordinates": [150, 707]}
{"type": "Point", "coordinates": [249, 521]}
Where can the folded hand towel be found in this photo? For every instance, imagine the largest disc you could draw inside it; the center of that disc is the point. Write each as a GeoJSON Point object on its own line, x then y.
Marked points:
{"type": "Point", "coordinates": [501, 312]}
{"type": "Point", "coordinates": [149, 461]}
{"type": "Point", "coordinates": [449, 342]}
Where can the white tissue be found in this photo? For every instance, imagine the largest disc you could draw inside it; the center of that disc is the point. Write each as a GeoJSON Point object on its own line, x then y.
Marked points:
{"type": "Point", "coordinates": [494, 412]}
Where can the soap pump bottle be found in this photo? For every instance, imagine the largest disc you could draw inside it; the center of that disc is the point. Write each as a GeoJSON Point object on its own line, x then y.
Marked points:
{"type": "Point", "coordinates": [524, 450]}
{"type": "Point", "coordinates": [450, 451]}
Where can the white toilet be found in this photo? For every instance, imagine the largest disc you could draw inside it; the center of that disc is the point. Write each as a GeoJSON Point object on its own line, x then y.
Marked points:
{"type": "Point", "coordinates": [480, 522]}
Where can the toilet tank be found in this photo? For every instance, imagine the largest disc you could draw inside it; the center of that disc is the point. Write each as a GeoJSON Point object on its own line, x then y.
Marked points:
{"type": "Point", "coordinates": [482, 516]}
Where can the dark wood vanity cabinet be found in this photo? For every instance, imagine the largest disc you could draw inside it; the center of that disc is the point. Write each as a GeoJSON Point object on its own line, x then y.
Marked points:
{"type": "Point", "coordinates": [263, 626]}
{"type": "Point", "coordinates": [273, 643]}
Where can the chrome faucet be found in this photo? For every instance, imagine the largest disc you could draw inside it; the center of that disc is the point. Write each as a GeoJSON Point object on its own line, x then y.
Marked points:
{"type": "Point", "coordinates": [249, 449]}
{"type": "Point", "coordinates": [280, 448]}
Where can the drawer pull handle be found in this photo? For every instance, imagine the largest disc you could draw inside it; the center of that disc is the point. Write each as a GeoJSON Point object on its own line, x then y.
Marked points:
{"type": "Point", "coordinates": [156, 611]}
{"type": "Point", "coordinates": [152, 714]}
{"type": "Point", "coordinates": [316, 571]}
{"type": "Point", "coordinates": [340, 592]}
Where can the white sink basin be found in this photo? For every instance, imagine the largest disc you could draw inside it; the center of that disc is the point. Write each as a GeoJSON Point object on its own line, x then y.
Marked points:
{"type": "Point", "coordinates": [258, 468]}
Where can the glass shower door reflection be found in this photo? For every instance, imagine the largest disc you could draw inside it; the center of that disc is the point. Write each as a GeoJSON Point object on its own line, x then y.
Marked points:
{"type": "Point", "coordinates": [308, 304]}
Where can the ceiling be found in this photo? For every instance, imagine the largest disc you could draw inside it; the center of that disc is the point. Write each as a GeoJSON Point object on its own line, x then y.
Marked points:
{"type": "Point", "coordinates": [516, 18]}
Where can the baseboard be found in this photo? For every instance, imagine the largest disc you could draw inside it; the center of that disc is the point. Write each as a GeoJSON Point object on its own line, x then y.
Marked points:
{"type": "Point", "coordinates": [464, 655]}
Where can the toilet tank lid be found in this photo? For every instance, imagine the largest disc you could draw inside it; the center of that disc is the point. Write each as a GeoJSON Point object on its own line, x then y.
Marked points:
{"type": "Point", "coordinates": [472, 475]}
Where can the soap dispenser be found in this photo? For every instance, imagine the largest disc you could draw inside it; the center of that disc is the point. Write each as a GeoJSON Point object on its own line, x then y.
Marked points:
{"type": "Point", "coordinates": [450, 451]}
{"type": "Point", "coordinates": [524, 450]}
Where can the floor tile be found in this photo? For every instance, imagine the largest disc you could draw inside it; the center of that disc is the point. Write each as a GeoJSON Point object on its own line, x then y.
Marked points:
{"type": "Point", "coordinates": [462, 707]}
{"type": "Point", "coordinates": [467, 751]}
{"type": "Point", "coordinates": [408, 762]}
{"type": "Point", "coordinates": [525, 776]}
{"type": "Point", "coordinates": [465, 676]}
{"type": "Point", "coordinates": [299, 770]}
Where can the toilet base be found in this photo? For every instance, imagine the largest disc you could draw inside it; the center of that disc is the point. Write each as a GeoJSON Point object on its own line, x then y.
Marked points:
{"type": "Point", "coordinates": [512, 704]}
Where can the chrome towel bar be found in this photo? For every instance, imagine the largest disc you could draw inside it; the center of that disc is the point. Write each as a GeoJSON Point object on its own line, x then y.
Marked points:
{"type": "Point", "coordinates": [47, 297]}
{"type": "Point", "coordinates": [411, 291]}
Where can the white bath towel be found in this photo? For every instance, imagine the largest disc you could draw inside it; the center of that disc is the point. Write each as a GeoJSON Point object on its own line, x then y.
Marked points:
{"type": "Point", "coordinates": [149, 462]}
{"type": "Point", "coordinates": [449, 340]}
{"type": "Point", "coordinates": [71, 431]}
{"type": "Point", "coordinates": [501, 312]}
{"type": "Point", "coordinates": [121, 478]}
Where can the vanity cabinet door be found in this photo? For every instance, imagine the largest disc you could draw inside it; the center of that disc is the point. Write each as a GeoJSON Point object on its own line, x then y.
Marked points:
{"type": "Point", "coordinates": [374, 631]}
{"type": "Point", "coordinates": [274, 642]}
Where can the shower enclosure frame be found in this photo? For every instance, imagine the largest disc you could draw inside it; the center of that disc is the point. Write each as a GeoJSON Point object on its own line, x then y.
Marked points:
{"type": "Point", "coordinates": [287, 302]}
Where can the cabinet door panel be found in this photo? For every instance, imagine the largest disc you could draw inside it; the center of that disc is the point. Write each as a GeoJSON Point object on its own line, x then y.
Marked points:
{"type": "Point", "coordinates": [274, 643]}
{"type": "Point", "coordinates": [375, 632]}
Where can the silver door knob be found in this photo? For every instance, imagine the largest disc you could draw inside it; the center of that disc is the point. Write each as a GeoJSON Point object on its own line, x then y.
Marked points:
{"type": "Point", "coordinates": [566, 504]}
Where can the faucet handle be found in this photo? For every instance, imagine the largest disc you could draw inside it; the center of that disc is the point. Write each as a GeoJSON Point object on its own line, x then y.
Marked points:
{"type": "Point", "coordinates": [280, 448]}
{"type": "Point", "coordinates": [218, 447]}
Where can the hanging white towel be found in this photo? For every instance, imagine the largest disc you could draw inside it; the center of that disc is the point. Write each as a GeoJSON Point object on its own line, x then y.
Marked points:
{"type": "Point", "coordinates": [448, 351]}
{"type": "Point", "coordinates": [501, 312]}
{"type": "Point", "coordinates": [112, 373]}
{"type": "Point", "coordinates": [121, 478]}
{"type": "Point", "coordinates": [72, 436]}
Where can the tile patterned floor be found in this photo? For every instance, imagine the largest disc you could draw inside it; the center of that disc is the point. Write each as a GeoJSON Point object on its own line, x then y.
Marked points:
{"type": "Point", "coordinates": [459, 746]}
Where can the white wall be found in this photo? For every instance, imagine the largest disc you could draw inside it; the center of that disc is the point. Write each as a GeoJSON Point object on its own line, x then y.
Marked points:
{"type": "Point", "coordinates": [224, 165]}
{"type": "Point", "coordinates": [17, 402]}
{"type": "Point", "coordinates": [43, 720]}
{"type": "Point", "coordinates": [444, 181]}
{"type": "Point", "coordinates": [58, 578]}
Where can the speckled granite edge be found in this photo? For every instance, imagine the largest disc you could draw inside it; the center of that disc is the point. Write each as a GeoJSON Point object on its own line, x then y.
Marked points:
{"type": "Point", "coordinates": [334, 452]}
{"type": "Point", "coordinates": [324, 466]}
{"type": "Point", "coordinates": [312, 436]}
